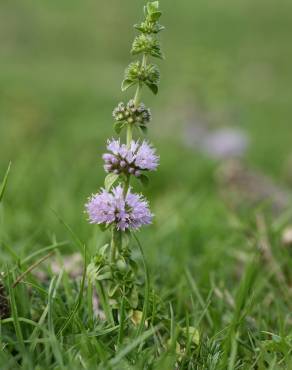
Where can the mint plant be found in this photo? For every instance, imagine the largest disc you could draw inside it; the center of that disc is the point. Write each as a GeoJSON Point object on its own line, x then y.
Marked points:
{"type": "Point", "coordinates": [116, 207]}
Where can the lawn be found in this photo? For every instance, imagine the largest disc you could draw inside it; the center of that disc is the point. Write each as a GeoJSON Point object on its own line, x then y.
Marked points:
{"type": "Point", "coordinates": [217, 265]}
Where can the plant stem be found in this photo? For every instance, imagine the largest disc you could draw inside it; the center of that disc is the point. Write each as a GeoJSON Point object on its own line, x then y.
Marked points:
{"type": "Point", "coordinates": [129, 134]}
{"type": "Point", "coordinates": [127, 185]}
{"type": "Point", "coordinates": [104, 302]}
{"type": "Point", "coordinates": [137, 96]}
{"type": "Point", "coordinates": [113, 246]}
{"type": "Point", "coordinates": [89, 302]}
{"type": "Point", "coordinates": [137, 99]}
{"type": "Point", "coordinates": [116, 241]}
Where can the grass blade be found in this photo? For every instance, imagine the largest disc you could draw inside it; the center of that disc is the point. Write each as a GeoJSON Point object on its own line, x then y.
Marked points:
{"type": "Point", "coordinates": [147, 290]}
{"type": "Point", "coordinates": [4, 183]}
{"type": "Point", "coordinates": [200, 299]}
{"type": "Point", "coordinates": [14, 312]}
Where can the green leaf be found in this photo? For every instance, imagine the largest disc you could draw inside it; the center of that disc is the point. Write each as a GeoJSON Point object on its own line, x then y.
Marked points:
{"type": "Point", "coordinates": [144, 179]}
{"type": "Point", "coordinates": [127, 83]}
{"type": "Point", "coordinates": [112, 290]}
{"type": "Point", "coordinates": [134, 298]}
{"type": "Point", "coordinates": [144, 129]}
{"type": "Point", "coordinates": [154, 17]}
{"type": "Point", "coordinates": [157, 54]}
{"type": "Point", "coordinates": [110, 180]}
{"type": "Point", "coordinates": [152, 7]}
{"type": "Point", "coordinates": [102, 250]}
{"type": "Point", "coordinates": [152, 87]}
{"type": "Point", "coordinates": [103, 227]}
{"type": "Point", "coordinates": [159, 28]}
{"type": "Point", "coordinates": [105, 276]}
{"type": "Point", "coordinates": [4, 183]}
{"type": "Point", "coordinates": [118, 126]}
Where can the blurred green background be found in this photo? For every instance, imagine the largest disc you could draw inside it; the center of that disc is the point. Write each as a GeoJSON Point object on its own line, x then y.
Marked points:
{"type": "Point", "coordinates": [61, 65]}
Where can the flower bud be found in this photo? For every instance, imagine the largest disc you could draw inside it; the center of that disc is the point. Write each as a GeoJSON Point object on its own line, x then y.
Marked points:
{"type": "Point", "coordinates": [108, 167]}
{"type": "Point", "coordinates": [107, 157]}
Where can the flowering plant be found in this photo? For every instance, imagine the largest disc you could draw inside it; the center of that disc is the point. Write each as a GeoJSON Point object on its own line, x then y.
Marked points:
{"type": "Point", "coordinates": [116, 206]}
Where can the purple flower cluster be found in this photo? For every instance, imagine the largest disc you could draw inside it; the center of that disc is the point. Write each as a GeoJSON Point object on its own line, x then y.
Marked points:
{"type": "Point", "coordinates": [129, 211]}
{"type": "Point", "coordinates": [130, 159]}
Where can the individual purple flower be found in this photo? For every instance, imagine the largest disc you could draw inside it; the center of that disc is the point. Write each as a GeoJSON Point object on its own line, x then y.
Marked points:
{"type": "Point", "coordinates": [126, 212]}
{"type": "Point", "coordinates": [130, 159]}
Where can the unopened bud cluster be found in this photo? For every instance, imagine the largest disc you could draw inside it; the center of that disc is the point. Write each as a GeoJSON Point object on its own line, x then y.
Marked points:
{"type": "Point", "coordinates": [152, 15]}
{"type": "Point", "coordinates": [119, 165]}
{"type": "Point", "coordinates": [129, 113]}
{"type": "Point", "coordinates": [146, 44]}
{"type": "Point", "coordinates": [137, 73]}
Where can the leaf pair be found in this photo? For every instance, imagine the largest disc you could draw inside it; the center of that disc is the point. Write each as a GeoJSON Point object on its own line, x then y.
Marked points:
{"type": "Point", "coordinates": [111, 178]}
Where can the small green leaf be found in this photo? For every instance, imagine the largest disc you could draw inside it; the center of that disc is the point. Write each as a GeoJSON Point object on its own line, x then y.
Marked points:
{"type": "Point", "coordinates": [118, 126]}
{"type": "Point", "coordinates": [144, 129]}
{"type": "Point", "coordinates": [144, 179]}
{"type": "Point", "coordinates": [112, 290]}
{"type": "Point", "coordinates": [126, 84]}
{"type": "Point", "coordinates": [4, 183]}
{"type": "Point", "coordinates": [134, 298]}
{"type": "Point", "coordinates": [152, 6]}
{"type": "Point", "coordinates": [102, 250]}
{"type": "Point", "coordinates": [110, 180]}
{"type": "Point", "coordinates": [152, 87]}
{"type": "Point", "coordinates": [105, 276]}
{"type": "Point", "coordinates": [133, 265]}
{"type": "Point", "coordinates": [103, 227]}
{"type": "Point", "coordinates": [154, 17]}
{"type": "Point", "coordinates": [157, 54]}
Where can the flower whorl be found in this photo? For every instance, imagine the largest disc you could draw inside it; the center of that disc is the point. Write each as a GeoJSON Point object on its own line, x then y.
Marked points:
{"type": "Point", "coordinates": [130, 159]}
{"type": "Point", "coordinates": [129, 211]}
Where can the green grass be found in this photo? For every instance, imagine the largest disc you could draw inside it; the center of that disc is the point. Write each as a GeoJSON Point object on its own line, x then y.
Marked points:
{"type": "Point", "coordinates": [228, 63]}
